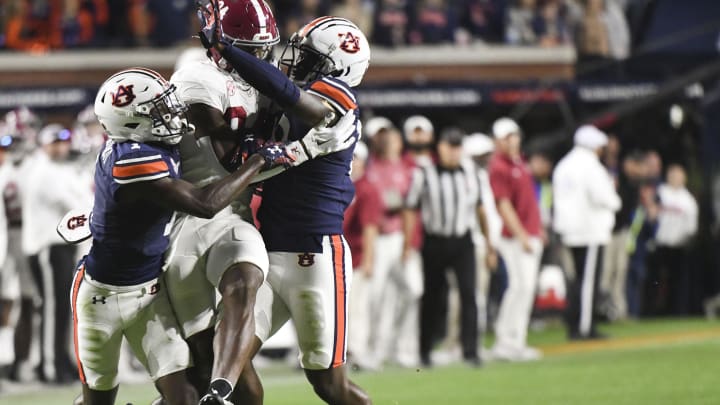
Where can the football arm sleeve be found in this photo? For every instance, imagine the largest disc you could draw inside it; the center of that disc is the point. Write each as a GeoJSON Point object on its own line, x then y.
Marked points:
{"type": "Point", "coordinates": [273, 83]}
{"type": "Point", "coordinates": [263, 76]}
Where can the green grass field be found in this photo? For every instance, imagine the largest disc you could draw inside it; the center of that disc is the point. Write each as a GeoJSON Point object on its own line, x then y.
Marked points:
{"type": "Point", "coordinates": [650, 362]}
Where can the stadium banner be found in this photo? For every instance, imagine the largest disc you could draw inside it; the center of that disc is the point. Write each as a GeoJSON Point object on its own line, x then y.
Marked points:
{"type": "Point", "coordinates": [63, 98]}
{"type": "Point", "coordinates": [47, 98]}
{"type": "Point", "coordinates": [507, 94]}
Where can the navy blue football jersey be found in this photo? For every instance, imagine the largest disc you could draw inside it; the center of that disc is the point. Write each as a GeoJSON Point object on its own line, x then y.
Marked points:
{"type": "Point", "coordinates": [129, 238]}
{"type": "Point", "coordinates": [301, 205]}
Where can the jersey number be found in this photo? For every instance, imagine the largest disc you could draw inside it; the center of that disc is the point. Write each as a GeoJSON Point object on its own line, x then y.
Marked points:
{"type": "Point", "coordinates": [235, 116]}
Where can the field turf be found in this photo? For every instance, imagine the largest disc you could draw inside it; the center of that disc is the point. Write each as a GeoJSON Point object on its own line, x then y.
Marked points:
{"type": "Point", "coordinates": [649, 362]}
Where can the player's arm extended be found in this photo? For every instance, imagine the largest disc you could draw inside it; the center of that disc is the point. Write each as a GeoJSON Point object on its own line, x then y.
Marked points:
{"type": "Point", "coordinates": [273, 83]}
{"type": "Point", "coordinates": [203, 202]}
{"type": "Point", "coordinates": [316, 142]}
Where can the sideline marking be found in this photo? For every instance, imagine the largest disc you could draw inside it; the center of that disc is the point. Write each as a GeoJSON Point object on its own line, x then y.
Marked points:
{"type": "Point", "coordinates": [632, 342]}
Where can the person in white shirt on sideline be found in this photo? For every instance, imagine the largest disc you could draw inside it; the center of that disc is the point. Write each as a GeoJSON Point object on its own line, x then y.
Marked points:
{"type": "Point", "coordinates": [51, 189]}
{"type": "Point", "coordinates": [677, 224]}
{"type": "Point", "coordinates": [9, 283]}
{"type": "Point", "coordinates": [584, 215]}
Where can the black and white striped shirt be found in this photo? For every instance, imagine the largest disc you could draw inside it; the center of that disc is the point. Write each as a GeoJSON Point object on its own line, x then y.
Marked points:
{"type": "Point", "coordinates": [447, 198]}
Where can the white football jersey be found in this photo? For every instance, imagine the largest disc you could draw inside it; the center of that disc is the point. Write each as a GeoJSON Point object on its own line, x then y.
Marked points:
{"type": "Point", "coordinates": [203, 82]}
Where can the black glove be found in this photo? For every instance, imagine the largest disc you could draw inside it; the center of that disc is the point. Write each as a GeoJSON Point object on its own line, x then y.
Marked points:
{"type": "Point", "coordinates": [213, 399]}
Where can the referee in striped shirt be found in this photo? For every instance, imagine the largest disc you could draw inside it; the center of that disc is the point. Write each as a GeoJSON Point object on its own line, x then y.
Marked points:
{"type": "Point", "coordinates": [448, 196]}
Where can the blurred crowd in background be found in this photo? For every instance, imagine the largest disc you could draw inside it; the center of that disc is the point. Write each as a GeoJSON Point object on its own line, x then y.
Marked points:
{"type": "Point", "coordinates": [598, 28]}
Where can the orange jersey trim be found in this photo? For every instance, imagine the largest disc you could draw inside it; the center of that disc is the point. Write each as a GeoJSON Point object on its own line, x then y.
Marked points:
{"type": "Point", "coordinates": [75, 289]}
{"type": "Point", "coordinates": [142, 169]}
{"type": "Point", "coordinates": [340, 315]}
{"type": "Point", "coordinates": [334, 93]}
{"type": "Point", "coordinates": [314, 23]}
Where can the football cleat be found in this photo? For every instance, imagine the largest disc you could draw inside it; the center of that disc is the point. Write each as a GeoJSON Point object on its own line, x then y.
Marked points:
{"type": "Point", "coordinates": [213, 399]}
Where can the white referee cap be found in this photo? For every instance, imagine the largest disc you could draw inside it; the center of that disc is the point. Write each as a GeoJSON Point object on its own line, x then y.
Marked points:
{"type": "Point", "coordinates": [477, 144]}
{"type": "Point", "coordinates": [503, 127]}
{"type": "Point", "coordinates": [417, 122]}
{"type": "Point", "coordinates": [375, 125]}
{"type": "Point", "coordinates": [590, 137]}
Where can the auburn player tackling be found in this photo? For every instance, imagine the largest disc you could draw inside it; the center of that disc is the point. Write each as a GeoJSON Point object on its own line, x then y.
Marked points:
{"type": "Point", "coordinates": [301, 213]}
{"type": "Point", "coordinates": [117, 290]}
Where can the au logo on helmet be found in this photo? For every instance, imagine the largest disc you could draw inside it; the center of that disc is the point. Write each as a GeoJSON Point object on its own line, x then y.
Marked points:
{"type": "Point", "coordinates": [123, 96]}
{"type": "Point", "coordinates": [349, 42]}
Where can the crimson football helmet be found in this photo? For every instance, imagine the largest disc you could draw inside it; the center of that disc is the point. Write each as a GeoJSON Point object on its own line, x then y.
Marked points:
{"type": "Point", "coordinates": [247, 24]}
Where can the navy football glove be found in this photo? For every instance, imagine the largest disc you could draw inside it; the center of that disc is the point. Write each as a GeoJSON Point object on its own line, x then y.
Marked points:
{"type": "Point", "coordinates": [276, 154]}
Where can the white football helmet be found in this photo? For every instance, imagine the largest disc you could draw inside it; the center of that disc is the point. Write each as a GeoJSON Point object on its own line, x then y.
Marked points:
{"type": "Point", "coordinates": [327, 46]}
{"type": "Point", "coordinates": [140, 105]}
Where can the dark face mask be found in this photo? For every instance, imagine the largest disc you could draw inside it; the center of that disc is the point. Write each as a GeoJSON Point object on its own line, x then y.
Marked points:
{"type": "Point", "coordinates": [419, 147]}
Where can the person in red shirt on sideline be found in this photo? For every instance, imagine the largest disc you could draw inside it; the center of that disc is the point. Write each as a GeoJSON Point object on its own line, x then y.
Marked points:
{"type": "Point", "coordinates": [361, 228]}
{"type": "Point", "coordinates": [520, 245]}
{"type": "Point", "coordinates": [392, 298]}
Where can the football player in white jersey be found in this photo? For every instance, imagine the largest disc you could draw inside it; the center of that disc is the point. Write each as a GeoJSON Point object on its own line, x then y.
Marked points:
{"type": "Point", "coordinates": [226, 252]}
{"type": "Point", "coordinates": [307, 279]}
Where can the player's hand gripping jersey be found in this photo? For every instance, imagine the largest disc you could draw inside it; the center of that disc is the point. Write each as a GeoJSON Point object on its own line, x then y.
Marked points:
{"type": "Point", "coordinates": [321, 188]}
{"type": "Point", "coordinates": [129, 238]}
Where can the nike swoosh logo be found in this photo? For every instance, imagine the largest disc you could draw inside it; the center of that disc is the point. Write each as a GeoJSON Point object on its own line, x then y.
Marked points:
{"type": "Point", "coordinates": [322, 143]}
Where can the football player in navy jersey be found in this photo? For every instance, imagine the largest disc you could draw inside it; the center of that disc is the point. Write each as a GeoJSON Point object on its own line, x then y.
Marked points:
{"type": "Point", "coordinates": [310, 269]}
{"type": "Point", "coordinates": [225, 256]}
{"type": "Point", "coordinates": [117, 290]}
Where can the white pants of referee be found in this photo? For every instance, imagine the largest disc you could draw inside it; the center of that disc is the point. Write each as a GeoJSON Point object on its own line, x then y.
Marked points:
{"type": "Point", "coordinates": [517, 301]}
{"type": "Point", "coordinates": [582, 291]}
{"type": "Point", "coordinates": [395, 290]}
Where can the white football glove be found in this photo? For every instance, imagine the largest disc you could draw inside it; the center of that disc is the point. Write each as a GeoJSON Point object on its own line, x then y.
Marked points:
{"type": "Point", "coordinates": [325, 140]}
